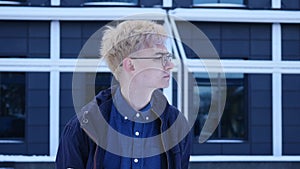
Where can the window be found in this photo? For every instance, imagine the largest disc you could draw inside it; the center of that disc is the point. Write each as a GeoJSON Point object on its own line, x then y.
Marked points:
{"type": "Point", "coordinates": [233, 124]}
{"type": "Point", "coordinates": [232, 3]}
{"type": "Point", "coordinates": [12, 106]}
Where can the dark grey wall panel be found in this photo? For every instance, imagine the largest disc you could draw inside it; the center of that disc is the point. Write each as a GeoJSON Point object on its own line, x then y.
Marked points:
{"type": "Point", "coordinates": [38, 148]}
{"type": "Point", "coordinates": [260, 49]}
{"type": "Point", "coordinates": [232, 40]}
{"type": "Point", "coordinates": [290, 4]}
{"type": "Point", "coordinates": [258, 99]}
{"type": "Point", "coordinates": [182, 3]}
{"type": "Point", "coordinates": [261, 41]}
{"type": "Point", "coordinates": [24, 39]}
{"type": "Point", "coordinates": [37, 124]}
{"type": "Point", "coordinates": [206, 148]}
{"type": "Point", "coordinates": [38, 2]}
{"type": "Point", "coordinates": [261, 148]}
{"type": "Point", "coordinates": [71, 47]}
{"type": "Point", "coordinates": [38, 81]}
{"type": "Point", "coordinates": [290, 50]}
{"type": "Point", "coordinates": [259, 4]}
{"type": "Point", "coordinates": [66, 101]}
{"type": "Point", "coordinates": [291, 115]}
{"type": "Point", "coordinates": [260, 111]}
{"type": "Point", "coordinates": [260, 32]}
{"type": "Point", "coordinates": [38, 46]}
{"type": "Point", "coordinates": [290, 31]}
{"type": "Point", "coordinates": [72, 2]}
{"type": "Point", "coordinates": [261, 134]}
{"type": "Point", "coordinates": [290, 42]}
{"type": "Point", "coordinates": [13, 149]}
{"type": "Point", "coordinates": [75, 34]}
{"type": "Point", "coordinates": [259, 120]}
{"type": "Point", "coordinates": [234, 49]}
{"type": "Point", "coordinates": [38, 134]}
{"type": "Point", "coordinates": [13, 47]}
{"type": "Point", "coordinates": [33, 100]}
{"type": "Point", "coordinates": [38, 116]}
{"type": "Point", "coordinates": [13, 29]}
{"type": "Point", "coordinates": [236, 149]}
{"type": "Point", "coordinates": [39, 40]}
{"type": "Point", "coordinates": [147, 3]}
{"type": "Point", "coordinates": [13, 38]}
{"type": "Point", "coordinates": [39, 29]}
{"type": "Point", "coordinates": [235, 31]}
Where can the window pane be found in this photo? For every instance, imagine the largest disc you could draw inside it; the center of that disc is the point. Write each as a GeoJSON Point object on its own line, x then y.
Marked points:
{"type": "Point", "coordinates": [233, 122]}
{"type": "Point", "coordinates": [12, 105]}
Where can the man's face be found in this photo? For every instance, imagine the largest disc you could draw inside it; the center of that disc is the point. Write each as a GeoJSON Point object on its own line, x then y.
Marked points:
{"type": "Point", "coordinates": [152, 67]}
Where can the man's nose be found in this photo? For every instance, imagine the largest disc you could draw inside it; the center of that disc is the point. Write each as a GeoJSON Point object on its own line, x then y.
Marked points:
{"type": "Point", "coordinates": [169, 65]}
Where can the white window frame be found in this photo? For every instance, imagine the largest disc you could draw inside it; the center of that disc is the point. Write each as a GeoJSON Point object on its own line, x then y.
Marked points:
{"type": "Point", "coordinates": [276, 67]}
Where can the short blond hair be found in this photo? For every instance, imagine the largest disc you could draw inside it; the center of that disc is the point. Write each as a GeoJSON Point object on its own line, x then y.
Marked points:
{"type": "Point", "coordinates": [129, 37]}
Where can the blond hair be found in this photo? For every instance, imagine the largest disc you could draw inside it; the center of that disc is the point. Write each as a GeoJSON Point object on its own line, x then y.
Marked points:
{"type": "Point", "coordinates": [129, 37]}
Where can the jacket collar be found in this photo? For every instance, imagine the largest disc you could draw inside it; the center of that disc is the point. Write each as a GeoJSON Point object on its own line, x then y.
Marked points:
{"type": "Point", "coordinates": [99, 109]}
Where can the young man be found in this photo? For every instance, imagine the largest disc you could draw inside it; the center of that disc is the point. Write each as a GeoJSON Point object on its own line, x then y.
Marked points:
{"type": "Point", "coordinates": [130, 125]}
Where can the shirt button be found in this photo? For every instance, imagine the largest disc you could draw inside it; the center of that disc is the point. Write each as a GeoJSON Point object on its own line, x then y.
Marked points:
{"type": "Point", "coordinates": [147, 118]}
{"type": "Point", "coordinates": [137, 133]}
{"type": "Point", "coordinates": [137, 115]}
{"type": "Point", "coordinates": [136, 160]}
{"type": "Point", "coordinates": [125, 117]}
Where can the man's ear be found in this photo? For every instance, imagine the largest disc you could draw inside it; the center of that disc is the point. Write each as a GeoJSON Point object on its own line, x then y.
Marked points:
{"type": "Point", "coordinates": [128, 65]}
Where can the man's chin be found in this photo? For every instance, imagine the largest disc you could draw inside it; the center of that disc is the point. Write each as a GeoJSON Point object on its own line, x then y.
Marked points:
{"type": "Point", "coordinates": [165, 85]}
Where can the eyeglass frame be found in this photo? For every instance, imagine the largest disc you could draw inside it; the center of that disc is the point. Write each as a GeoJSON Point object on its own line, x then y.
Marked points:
{"type": "Point", "coordinates": [165, 58]}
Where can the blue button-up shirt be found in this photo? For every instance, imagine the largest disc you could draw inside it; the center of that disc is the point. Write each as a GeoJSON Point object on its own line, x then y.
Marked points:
{"type": "Point", "coordinates": [135, 124]}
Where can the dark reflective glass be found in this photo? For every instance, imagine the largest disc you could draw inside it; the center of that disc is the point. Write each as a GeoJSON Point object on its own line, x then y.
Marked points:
{"type": "Point", "coordinates": [233, 125]}
{"type": "Point", "coordinates": [12, 105]}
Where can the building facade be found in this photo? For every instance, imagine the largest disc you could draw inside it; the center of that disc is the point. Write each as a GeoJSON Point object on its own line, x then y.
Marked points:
{"type": "Point", "coordinates": [256, 43]}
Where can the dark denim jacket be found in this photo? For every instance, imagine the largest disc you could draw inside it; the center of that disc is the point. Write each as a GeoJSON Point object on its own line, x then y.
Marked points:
{"type": "Point", "coordinates": [79, 142]}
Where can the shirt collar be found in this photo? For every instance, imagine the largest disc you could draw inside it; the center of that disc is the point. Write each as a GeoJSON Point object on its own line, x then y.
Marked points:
{"type": "Point", "coordinates": [123, 107]}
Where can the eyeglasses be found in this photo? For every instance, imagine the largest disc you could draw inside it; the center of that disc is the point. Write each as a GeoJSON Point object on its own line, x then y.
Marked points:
{"type": "Point", "coordinates": [165, 58]}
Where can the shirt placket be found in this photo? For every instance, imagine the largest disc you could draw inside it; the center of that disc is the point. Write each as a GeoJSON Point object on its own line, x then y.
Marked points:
{"type": "Point", "coordinates": [137, 160]}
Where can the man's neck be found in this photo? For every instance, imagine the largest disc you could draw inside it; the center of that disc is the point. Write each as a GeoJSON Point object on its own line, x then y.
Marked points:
{"type": "Point", "coordinates": [137, 97]}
